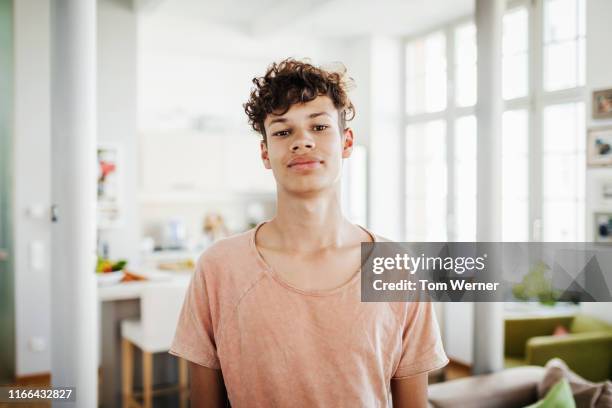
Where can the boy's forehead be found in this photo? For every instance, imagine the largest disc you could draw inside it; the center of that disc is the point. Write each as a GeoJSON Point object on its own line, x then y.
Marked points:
{"type": "Point", "coordinates": [321, 104]}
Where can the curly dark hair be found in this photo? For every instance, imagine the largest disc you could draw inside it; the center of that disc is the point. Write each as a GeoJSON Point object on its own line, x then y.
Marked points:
{"type": "Point", "coordinates": [291, 81]}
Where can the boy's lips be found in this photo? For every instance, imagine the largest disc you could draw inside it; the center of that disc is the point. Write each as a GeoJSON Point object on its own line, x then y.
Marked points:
{"type": "Point", "coordinates": [304, 163]}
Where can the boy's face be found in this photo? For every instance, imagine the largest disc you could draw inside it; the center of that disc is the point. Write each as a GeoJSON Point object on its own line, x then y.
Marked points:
{"type": "Point", "coordinates": [305, 146]}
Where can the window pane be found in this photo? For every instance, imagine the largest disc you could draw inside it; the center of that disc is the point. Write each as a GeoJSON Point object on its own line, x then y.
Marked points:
{"type": "Point", "coordinates": [515, 76]}
{"type": "Point", "coordinates": [515, 46]}
{"type": "Point", "coordinates": [465, 79]}
{"type": "Point", "coordinates": [426, 181]}
{"type": "Point", "coordinates": [357, 166]}
{"type": "Point", "coordinates": [515, 220]}
{"type": "Point", "coordinates": [415, 95]}
{"type": "Point", "coordinates": [515, 31]}
{"type": "Point", "coordinates": [563, 131]}
{"type": "Point", "coordinates": [515, 182]}
{"type": "Point", "coordinates": [426, 74]}
{"type": "Point", "coordinates": [465, 179]}
{"type": "Point", "coordinates": [582, 18]}
{"type": "Point", "coordinates": [581, 61]}
{"type": "Point", "coordinates": [560, 20]}
{"type": "Point", "coordinates": [435, 86]}
{"type": "Point", "coordinates": [564, 221]}
{"type": "Point", "coordinates": [465, 44]}
{"type": "Point", "coordinates": [563, 172]}
{"type": "Point", "coordinates": [561, 63]}
{"type": "Point", "coordinates": [465, 65]}
{"type": "Point", "coordinates": [564, 54]}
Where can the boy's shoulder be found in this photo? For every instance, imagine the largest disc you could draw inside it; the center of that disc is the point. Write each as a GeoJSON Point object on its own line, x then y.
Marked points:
{"type": "Point", "coordinates": [232, 247]}
{"type": "Point", "coordinates": [230, 263]}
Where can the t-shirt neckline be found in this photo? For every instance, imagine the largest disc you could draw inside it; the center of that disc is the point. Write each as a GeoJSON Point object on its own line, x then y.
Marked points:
{"type": "Point", "coordinates": [322, 292]}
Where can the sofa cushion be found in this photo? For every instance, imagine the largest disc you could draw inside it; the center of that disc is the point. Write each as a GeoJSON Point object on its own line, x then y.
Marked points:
{"type": "Point", "coordinates": [559, 396]}
{"type": "Point", "coordinates": [586, 393]}
{"type": "Point", "coordinates": [514, 387]}
{"type": "Point", "coordinates": [585, 324]}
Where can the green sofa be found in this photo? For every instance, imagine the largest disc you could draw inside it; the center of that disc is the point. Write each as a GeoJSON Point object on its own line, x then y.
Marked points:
{"type": "Point", "coordinates": [587, 349]}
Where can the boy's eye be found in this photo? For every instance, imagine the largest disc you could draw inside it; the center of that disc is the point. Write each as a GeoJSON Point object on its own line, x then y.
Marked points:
{"type": "Point", "coordinates": [281, 133]}
{"type": "Point", "coordinates": [320, 127]}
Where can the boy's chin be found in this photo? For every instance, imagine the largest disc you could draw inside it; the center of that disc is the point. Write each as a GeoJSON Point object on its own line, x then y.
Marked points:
{"type": "Point", "coordinates": [308, 187]}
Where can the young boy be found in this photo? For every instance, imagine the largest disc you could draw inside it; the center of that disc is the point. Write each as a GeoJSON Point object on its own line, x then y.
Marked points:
{"type": "Point", "coordinates": [273, 316]}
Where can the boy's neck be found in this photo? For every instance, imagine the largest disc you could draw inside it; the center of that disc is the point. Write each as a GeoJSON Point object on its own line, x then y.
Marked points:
{"type": "Point", "coordinates": [309, 224]}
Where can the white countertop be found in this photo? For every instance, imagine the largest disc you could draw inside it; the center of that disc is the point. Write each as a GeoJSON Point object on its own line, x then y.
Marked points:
{"type": "Point", "coordinates": [133, 290]}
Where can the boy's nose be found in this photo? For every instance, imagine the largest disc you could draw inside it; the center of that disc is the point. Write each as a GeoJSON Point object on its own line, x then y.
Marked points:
{"type": "Point", "coordinates": [302, 142]}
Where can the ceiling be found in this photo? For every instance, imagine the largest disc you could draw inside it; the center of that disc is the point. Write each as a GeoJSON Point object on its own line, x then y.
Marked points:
{"type": "Point", "coordinates": [321, 18]}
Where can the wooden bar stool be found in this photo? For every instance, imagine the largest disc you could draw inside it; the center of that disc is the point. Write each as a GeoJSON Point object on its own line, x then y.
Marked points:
{"type": "Point", "coordinates": [160, 306]}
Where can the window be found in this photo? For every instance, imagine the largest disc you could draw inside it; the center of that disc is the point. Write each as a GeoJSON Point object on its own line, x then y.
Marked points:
{"type": "Point", "coordinates": [542, 127]}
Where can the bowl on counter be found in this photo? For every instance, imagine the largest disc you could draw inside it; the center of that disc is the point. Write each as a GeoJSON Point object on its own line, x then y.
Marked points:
{"type": "Point", "coordinates": [109, 278]}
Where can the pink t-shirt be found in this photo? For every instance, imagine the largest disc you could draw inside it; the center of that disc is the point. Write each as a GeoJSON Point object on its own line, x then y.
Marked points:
{"type": "Point", "coordinates": [279, 346]}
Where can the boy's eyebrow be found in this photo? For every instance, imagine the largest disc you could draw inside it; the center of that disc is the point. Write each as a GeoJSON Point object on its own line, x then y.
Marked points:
{"type": "Point", "coordinates": [277, 120]}
{"type": "Point", "coordinates": [314, 115]}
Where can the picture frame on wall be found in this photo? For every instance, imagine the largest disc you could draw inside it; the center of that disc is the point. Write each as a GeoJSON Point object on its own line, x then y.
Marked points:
{"type": "Point", "coordinates": [602, 227]}
{"type": "Point", "coordinates": [602, 104]}
{"type": "Point", "coordinates": [599, 147]}
{"type": "Point", "coordinates": [109, 183]}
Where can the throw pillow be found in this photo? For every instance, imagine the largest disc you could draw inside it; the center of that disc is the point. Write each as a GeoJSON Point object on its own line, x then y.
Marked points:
{"type": "Point", "coordinates": [559, 396]}
{"type": "Point", "coordinates": [560, 330]}
{"type": "Point", "coordinates": [586, 393]}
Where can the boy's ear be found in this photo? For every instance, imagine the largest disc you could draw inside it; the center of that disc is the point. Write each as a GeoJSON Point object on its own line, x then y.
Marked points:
{"type": "Point", "coordinates": [347, 141]}
{"type": "Point", "coordinates": [264, 155]}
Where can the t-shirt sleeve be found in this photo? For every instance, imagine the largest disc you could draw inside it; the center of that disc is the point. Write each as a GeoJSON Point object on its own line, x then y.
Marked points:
{"type": "Point", "coordinates": [194, 339]}
{"type": "Point", "coordinates": [422, 349]}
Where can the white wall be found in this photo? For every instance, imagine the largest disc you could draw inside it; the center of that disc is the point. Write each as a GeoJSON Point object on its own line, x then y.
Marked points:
{"type": "Point", "coordinates": [117, 114]}
{"type": "Point", "coordinates": [32, 185]}
{"type": "Point", "coordinates": [598, 76]}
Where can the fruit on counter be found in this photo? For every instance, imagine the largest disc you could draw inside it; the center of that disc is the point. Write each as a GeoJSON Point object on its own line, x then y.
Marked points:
{"type": "Point", "coordinates": [131, 277]}
{"type": "Point", "coordinates": [106, 265]}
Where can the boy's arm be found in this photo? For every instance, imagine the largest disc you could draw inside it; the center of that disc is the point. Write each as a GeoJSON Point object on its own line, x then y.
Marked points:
{"type": "Point", "coordinates": [207, 387]}
{"type": "Point", "coordinates": [410, 392]}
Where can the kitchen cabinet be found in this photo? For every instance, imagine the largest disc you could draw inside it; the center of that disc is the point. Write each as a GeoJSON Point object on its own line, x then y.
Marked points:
{"type": "Point", "coordinates": [194, 163]}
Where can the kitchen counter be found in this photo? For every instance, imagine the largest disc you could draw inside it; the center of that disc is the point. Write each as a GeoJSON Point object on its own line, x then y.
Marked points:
{"type": "Point", "coordinates": [133, 290]}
